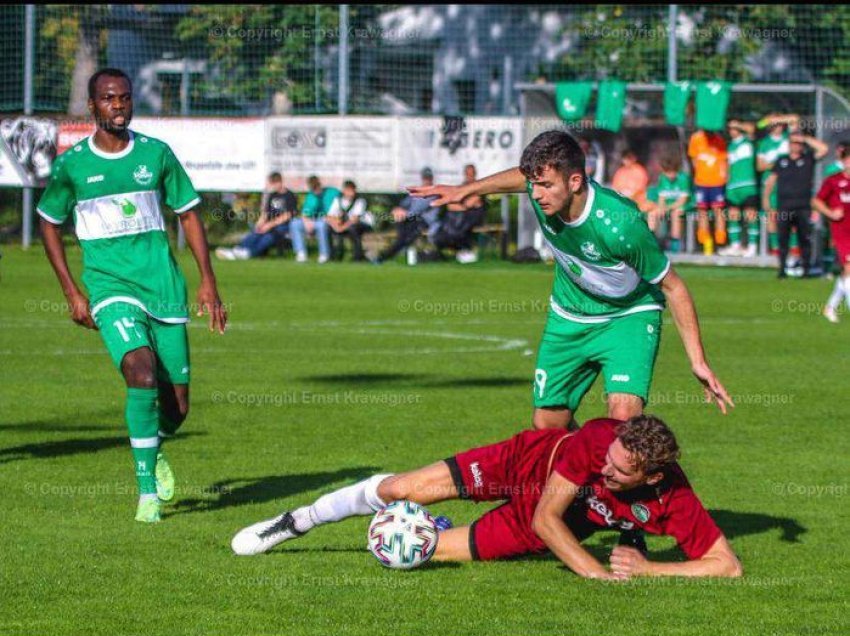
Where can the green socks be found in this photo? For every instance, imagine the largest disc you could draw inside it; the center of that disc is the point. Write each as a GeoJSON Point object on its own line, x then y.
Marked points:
{"type": "Point", "coordinates": [735, 232]}
{"type": "Point", "coordinates": [142, 424]}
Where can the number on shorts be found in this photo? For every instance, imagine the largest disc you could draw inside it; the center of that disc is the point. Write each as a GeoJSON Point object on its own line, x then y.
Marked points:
{"type": "Point", "coordinates": [124, 324]}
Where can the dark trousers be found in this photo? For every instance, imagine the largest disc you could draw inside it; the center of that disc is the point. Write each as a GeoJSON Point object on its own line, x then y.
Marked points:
{"type": "Point", "coordinates": [407, 232]}
{"type": "Point", "coordinates": [455, 232]}
{"type": "Point", "coordinates": [354, 233]}
{"type": "Point", "coordinates": [259, 244]}
{"type": "Point", "coordinates": [798, 218]}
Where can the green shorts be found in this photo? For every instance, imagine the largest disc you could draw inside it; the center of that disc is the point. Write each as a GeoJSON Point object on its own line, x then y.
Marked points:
{"type": "Point", "coordinates": [572, 354]}
{"type": "Point", "coordinates": [743, 197]}
{"type": "Point", "coordinates": [125, 327]}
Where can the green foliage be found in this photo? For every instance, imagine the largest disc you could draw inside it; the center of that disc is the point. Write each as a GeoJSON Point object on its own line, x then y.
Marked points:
{"type": "Point", "coordinates": [264, 49]}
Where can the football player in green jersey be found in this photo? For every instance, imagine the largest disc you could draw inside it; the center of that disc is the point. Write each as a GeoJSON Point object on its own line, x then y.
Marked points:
{"type": "Point", "coordinates": [611, 283]}
{"type": "Point", "coordinates": [741, 189]}
{"type": "Point", "coordinates": [113, 183]}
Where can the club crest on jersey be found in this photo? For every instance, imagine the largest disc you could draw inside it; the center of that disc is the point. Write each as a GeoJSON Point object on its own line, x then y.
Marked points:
{"type": "Point", "coordinates": [640, 512]}
{"type": "Point", "coordinates": [142, 175]}
{"type": "Point", "coordinates": [590, 250]}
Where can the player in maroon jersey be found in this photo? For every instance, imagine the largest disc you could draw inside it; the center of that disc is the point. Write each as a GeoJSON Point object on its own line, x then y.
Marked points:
{"type": "Point", "coordinates": [558, 487]}
{"type": "Point", "coordinates": [833, 201]}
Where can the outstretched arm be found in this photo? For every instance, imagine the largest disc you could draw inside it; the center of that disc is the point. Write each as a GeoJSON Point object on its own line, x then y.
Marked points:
{"type": "Point", "coordinates": [79, 304]}
{"type": "Point", "coordinates": [548, 524]}
{"type": "Point", "coordinates": [505, 182]}
{"type": "Point", "coordinates": [685, 316]}
{"type": "Point", "coordinates": [718, 561]}
{"type": "Point", "coordinates": [208, 300]}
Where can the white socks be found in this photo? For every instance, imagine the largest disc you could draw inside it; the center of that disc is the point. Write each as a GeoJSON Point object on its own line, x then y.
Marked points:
{"type": "Point", "coordinates": [842, 286]}
{"type": "Point", "coordinates": [359, 499]}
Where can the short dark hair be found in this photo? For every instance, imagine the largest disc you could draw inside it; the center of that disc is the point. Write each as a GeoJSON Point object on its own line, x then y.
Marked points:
{"type": "Point", "coordinates": [650, 442]}
{"type": "Point", "coordinates": [107, 72]}
{"type": "Point", "coordinates": [275, 176]}
{"type": "Point", "coordinates": [555, 149]}
{"type": "Point", "coordinates": [670, 163]}
{"type": "Point", "coordinates": [349, 184]}
{"type": "Point", "coordinates": [313, 182]}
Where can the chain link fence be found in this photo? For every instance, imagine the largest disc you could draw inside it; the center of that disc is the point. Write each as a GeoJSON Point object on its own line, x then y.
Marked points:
{"type": "Point", "coordinates": [397, 59]}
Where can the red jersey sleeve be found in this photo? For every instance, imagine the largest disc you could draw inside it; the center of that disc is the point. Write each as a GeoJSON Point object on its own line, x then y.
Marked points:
{"type": "Point", "coordinates": [689, 523]}
{"type": "Point", "coordinates": [584, 453]}
{"type": "Point", "coordinates": [826, 190]}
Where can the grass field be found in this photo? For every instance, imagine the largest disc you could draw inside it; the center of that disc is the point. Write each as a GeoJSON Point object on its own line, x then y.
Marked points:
{"type": "Point", "coordinates": [330, 373]}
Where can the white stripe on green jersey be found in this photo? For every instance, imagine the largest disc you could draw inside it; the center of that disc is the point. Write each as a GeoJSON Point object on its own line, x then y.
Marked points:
{"type": "Point", "coordinates": [116, 201]}
{"type": "Point", "coordinates": [608, 262]}
{"type": "Point", "coordinates": [742, 166]}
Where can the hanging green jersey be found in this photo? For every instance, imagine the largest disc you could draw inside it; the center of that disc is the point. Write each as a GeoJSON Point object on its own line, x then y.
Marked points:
{"type": "Point", "coordinates": [608, 262]}
{"type": "Point", "coordinates": [116, 200]}
{"type": "Point", "coordinates": [671, 190]}
{"type": "Point", "coordinates": [742, 165]}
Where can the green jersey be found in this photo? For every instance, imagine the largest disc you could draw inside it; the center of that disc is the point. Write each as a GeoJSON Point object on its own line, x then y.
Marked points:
{"type": "Point", "coordinates": [742, 167]}
{"type": "Point", "coordinates": [770, 148]}
{"type": "Point", "coordinates": [671, 190]}
{"type": "Point", "coordinates": [608, 262]}
{"type": "Point", "coordinates": [116, 201]}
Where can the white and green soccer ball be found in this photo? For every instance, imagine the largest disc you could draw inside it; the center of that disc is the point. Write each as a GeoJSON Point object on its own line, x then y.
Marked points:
{"type": "Point", "coordinates": [403, 535]}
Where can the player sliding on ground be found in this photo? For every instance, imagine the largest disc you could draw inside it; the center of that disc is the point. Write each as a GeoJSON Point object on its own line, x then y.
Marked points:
{"type": "Point", "coordinates": [559, 487]}
{"type": "Point", "coordinates": [610, 287]}
{"type": "Point", "coordinates": [114, 184]}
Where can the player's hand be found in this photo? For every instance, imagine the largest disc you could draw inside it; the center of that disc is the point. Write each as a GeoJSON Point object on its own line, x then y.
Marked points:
{"type": "Point", "coordinates": [80, 312]}
{"type": "Point", "coordinates": [837, 214]}
{"type": "Point", "coordinates": [627, 562]}
{"type": "Point", "coordinates": [714, 391]}
{"type": "Point", "coordinates": [399, 215]}
{"type": "Point", "coordinates": [210, 303]}
{"type": "Point", "coordinates": [445, 194]}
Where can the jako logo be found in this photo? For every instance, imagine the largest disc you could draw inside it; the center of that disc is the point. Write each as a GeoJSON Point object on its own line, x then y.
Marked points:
{"type": "Point", "coordinates": [477, 479]}
{"type": "Point", "coordinates": [95, 179]}
{"type": "Point", "coordinates": [619, 378]}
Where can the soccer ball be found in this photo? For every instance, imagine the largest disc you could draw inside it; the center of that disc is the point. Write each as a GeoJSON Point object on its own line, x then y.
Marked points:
{"type": "Point", "coordinates": [403, 535]}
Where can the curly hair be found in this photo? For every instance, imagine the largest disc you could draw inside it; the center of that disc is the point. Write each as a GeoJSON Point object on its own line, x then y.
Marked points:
{"type": "Point", "coordinates": [555, 149]}
{"type": "Point", "coordinates": [651, 443]}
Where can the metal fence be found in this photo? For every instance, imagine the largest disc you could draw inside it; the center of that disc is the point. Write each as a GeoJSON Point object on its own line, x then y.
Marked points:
{"type": "Point", "coordinates": [397, 59]}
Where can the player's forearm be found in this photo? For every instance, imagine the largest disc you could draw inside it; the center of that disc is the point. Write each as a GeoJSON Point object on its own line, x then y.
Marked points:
{"type": "Point", "coordinates": [55, 251]}
{"type": "Point", "coordinates": [685, 316]}
{"type": "Point", "coordinates": [505, 182]}
{"type": "Point", "coordinates": [820, 206]}
{"type": "Point", "coordinates": [562, 542]}
{"type": "Point", "coordinates": [196, 238]}
{"type": "Point", "coordinates": [697, 567]}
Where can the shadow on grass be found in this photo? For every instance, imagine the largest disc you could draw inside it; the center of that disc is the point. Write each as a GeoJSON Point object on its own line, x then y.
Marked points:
{"type": "Point", "coordinates": [63, 448]}
{"type": "Point", "coordinates": [63, 424]}
{"type": "Point", "coordinates": [250, 490]}
{"type": "Point", "coordinates": [360, 379]}
{"type": "Point", "coordinates": [366, 378]}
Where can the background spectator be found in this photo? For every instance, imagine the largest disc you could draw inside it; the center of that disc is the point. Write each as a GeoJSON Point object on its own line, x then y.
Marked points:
{"type": "Point", "coordinates": [312, 220]}
{"type": "Point", "coordinates": [455, 229]}
{"type": "Point", "coordinates": [348, 217]}
{"type": "Point", "coordinates": [707, 151]}
{"type": "Point", "coordinates": [674, 196]}
{"type": "Point", "coordinates": [793, 178]}
{"type": "Point", "coordinates": [279, 208]}
{"type": "Point", "coordinates": [742, 189]}
{"type": "Point", "coordinates": [631, 179]}
{"type": "Point", "coordinates": [412, 216]}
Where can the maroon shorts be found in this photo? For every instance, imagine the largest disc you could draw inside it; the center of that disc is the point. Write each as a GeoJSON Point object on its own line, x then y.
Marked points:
{"type": "Point", "coordinates": [484, 474]}
{"type": "Point", "coordinates": [842, 249]}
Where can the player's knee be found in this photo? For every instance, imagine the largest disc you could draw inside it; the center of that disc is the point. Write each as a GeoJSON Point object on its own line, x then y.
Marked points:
{"type": "Point", "coordinates": [624, 410]}
{"type": "Point", "coordinates": [138, 370]}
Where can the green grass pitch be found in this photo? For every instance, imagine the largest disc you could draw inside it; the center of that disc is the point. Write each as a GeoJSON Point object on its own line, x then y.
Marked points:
{"type": "Point", "coordinates": [330, 373]}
